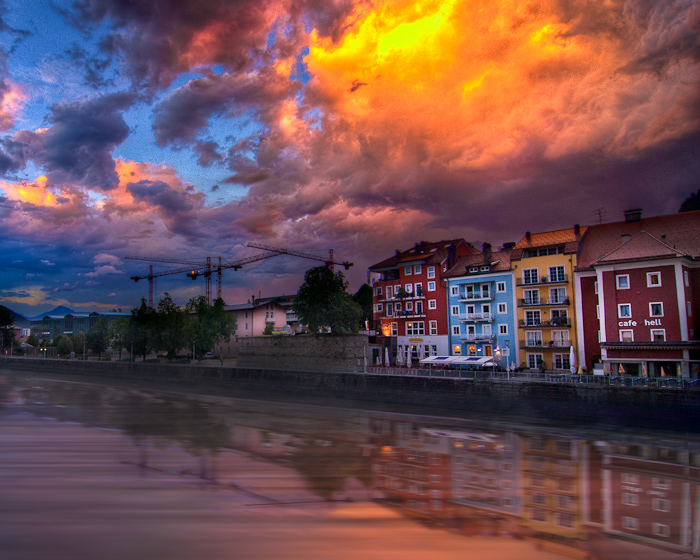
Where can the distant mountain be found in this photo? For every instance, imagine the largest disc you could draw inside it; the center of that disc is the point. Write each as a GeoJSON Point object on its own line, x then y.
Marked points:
{"type": "Point", "coordinates": [19, 319]}
{"type": "Point", "coordinates": [60, 310]}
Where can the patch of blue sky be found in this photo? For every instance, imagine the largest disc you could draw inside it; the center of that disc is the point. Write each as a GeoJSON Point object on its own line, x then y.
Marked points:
{"type": "Point", "coordinates": [183, 79]}
{"type": "Point", "coordinates": [314, 118]}
{"type": "Point", "coordinates": [300, 72]}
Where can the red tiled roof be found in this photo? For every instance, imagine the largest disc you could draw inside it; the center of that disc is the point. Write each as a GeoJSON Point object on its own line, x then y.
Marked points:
{"type": "Point", "coordinates": [547, 238]}
{"type": "Point", "coordinates": [664, 237]}
{"type": "Point", "coordinates": [425, 252]}
{"type": "Point", "coordinates": [499, 261]}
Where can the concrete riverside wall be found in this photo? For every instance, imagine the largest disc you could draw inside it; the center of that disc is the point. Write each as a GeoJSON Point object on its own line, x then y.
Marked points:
{"type": "Point", "coordinates": [554, 402]}
{"type": "Point", "coordinates": [304, 352]}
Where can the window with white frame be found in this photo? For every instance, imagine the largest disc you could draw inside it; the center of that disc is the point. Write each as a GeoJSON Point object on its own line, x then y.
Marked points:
{"type": "Point", "coordinates": [624, 310]}
{"type": "Point", "coordinates": [500, 287]}
{"type": "Point", "coordinates": [533, 360]}
{"type": "Point", "coordinates": [388, 292]}
{"type": "Point", "coordinates": [419, 308]}
{"type": "Point", "coordinates": [557, 274]}
{"type": "Point", "coordinates": [409, 288]}
{"type": "Point", "coordinates": [431, 272]}
{"type": "Point", "coordinates": [486, 310]}
{"type": "Point", "coordinates": [414, 328]}
{"type": "Point", "coordinates": [630, 499]}
{"type": "Point", "coordinates": [486, 331]}
{"type": "Point", "coordinates": [408, 270]}
{"type": "Point", "coordinates": [560, 317]}
{"type": "Point", "coordinates": [653, 279]}
{"type": "Point", "coordinates": [502, 329]}
{"type": "Point", "coordinates": [533, 317]}
{"type": "Point", "coordinates": [397, 306]}
{"type": "Point", "coordinates": [432, 304]}
{"type": "Point", "coordinates": [485, 290]}
{"type": "Point", "coordinates": [531, 297]}
{"type": "Point", "coordinates": [686, 279]}
{"type": "Point", "coordinates": [562, 361]}
{"type": "Point", "coordinates": [419, 288]}
{"type": "Point", "coordinates": [622, 281]}
{"type": "Point", "coordinates": [455, 330]}
{"type": "Point", "coordinates": [389, 309]}
{"type": "Point", "coordinates": [564, 520]}
{"type": "Point", "coordinates": [539, 515]}
{"type": "Point", "coordinates": [378, 291]}
{"type": "Point", "coordinates": [502, 308]}
{"type": "Point", "coordinates": [656, 309]}
{"type": "Point", "coordinates": [630, 523]}
{"type": "Point", "coordinates": [557, 295]}
{"type": "Point", "coordinates": [595, 286]}
{"type": "Point", "coordinates": [629, 478]}
{"type": "Point", "coordinates": [626, 335]}
{"type": "Point", "coordinates": [433, 328]}
{"type": "Point", "coordinates": [431, 286]}
{"type": "Point", "coordinates": [454, 290]}
{"type": "Point", "coordinates": [658, 335]}
{"type": "Point", "coordinates": [530, 276]}
{"type": "Point", "coordinates": [417, 269]}
{"type": "Point", "coordinates": [380, 308]}
{"type": "Point", "coordinates": [661, 483]}
{"type": "Point", "coordinates": [660, 530]}
{"type": "Point", "coordinates": [455, 310]}
{"type": "Point", "coordinates": [659, 504]}
{"type": "Point", "coordinates": [409, 306]}
{"type": "Point", "coordinates": [394, 329]}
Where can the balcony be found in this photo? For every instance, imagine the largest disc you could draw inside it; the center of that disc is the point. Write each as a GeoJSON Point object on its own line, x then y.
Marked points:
{"type": "Point", "coordinates": [270, 320]}
{"type": "Point", "coordinates": [406, 314]}
{"type": "Point", "coordinates": [544, 280]}
{"type": "Point", "coordinates": [473, 317]}
{"type": "Point", "coordinates": [541, 302]}
{"type": "Point", "coordinates": [405, 296]}
{"type": "Point", "coordinates": [544, 344]}
{"type": "Point", "coordinates": [554, 323]}
{"type": "Point", "coordinates": [486, 295]}
{"type": "Point", "coordinates": [477, 338]}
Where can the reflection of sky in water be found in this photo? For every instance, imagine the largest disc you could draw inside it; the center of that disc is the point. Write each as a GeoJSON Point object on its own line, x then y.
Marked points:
{"type": "Point", "coordinates": [90, 472]}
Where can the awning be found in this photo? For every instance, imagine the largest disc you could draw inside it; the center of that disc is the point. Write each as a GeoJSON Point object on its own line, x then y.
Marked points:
{"type": "Point", "coordinates": [458, 360]}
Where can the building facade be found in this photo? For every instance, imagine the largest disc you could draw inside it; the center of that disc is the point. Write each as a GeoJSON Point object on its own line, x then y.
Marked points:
{"type": "Point", "coordinates": [543, 265]}
{"type": "Point", "coordinates": [482, 307]}
{"type": "Point", "coordinates": [638, 282]}
{"type": "Point", "coordinates": [409, 300]}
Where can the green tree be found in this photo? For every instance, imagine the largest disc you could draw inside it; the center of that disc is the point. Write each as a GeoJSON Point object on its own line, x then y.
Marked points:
{"type": "Point", "coordinates": [32, 340]}
{"type": "Point", "coordinates": [56, 340]}
{"type": "Point", "coordinates": [64, 346]}
{"type": "Point", "coordinates": [119, 334]}
{"type": "Point", "coordinates": [79, 341]}
{"type": "Point", "coordinates": [269, 329]}
{"type": "Point", "coordinates": [208, 324]}
{"type": "Point", "coordinates": [691, 203]}
{"type": "Point", "coordinates": [142, 329]}
{"type": "Point", "coordinates": [322, 302]}
{"type": "Point", "coordinates": [363, 297]}
{"type": "Point", "coordinates": [98, 338]}
{"type": "Point", "coordinates": [171, 327]}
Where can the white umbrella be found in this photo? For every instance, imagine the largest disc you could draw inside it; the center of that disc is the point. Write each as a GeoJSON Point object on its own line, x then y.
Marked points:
{"type": "Point", "coordinates": [408, 359]}
{"type": "Point", "coordinates": [572, 359]}
{"type": "Point", "coordinates": [399, 356]}
{"type": "Point", "coordinates": [386, 357]}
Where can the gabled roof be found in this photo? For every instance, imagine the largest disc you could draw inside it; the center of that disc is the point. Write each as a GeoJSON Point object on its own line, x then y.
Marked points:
{"type": "Point", "coordinates": [424, 252]}
{"type": "Point", "coordinates": [567, 237]}
{"type": "Point", "coordinates": [672, 235]}
{"type": "Point", "coordinates": [498, 262]}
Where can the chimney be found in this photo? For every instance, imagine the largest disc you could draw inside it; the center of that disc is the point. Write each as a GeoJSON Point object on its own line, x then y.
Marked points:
{"type": "Point", "coordinates": [528, 235]}
{"type": "Point", "coordinates": [451, 256]}
{"type": "Point", "coordinates": [577, 230]}
{"type": "Point", "coordinates": [397, 253]}
{"type": "Point", "coordinates": [633, 215]}
{"type": "Point", "coordinates": [486, 250]}
{"type": "Point", "coordinates": [508, 245]}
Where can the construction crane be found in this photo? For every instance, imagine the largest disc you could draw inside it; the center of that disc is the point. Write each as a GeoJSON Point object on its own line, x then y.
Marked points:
{"type": "Point", "coordinates": [205, 269]}
{"type": "Point", "coordinates": [330, 261]}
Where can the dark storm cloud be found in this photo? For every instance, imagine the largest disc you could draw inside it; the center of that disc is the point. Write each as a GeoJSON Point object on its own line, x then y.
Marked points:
{"type": "Point", "coordinates": [186, 111]}
{"type": "Point", "coordinates": [13, 156]}
{"type": "Point", "coordinates": [78, 146]}
{"type": "Point", "coordinates": [176, 208]}
{"type": "Point", "coordinates": [208, 153]}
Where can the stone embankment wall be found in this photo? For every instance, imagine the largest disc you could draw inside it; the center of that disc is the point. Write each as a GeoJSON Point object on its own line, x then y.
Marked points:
{"type": "Point", "coordinates": [304, 352]}
{"type": "Point", "coordinates": [552, 402]}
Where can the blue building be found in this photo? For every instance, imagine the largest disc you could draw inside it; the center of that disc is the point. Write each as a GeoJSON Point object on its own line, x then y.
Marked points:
{"type": "Point", "coordinates": [482, 308]}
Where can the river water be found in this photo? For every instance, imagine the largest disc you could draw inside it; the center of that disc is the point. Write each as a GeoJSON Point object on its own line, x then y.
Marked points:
{"type": "Point", "coordinates": [105, 471]}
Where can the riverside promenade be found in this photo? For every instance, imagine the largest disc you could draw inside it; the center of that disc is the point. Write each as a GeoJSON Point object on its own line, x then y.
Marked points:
{"type": "Point", "coordinates": [617, 402]}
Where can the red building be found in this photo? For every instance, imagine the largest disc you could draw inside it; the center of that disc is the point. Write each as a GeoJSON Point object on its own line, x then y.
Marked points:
{"type": "Point", "coordinates": [637, 287]}
{"type": "Point", "coordinates": [410, 299]}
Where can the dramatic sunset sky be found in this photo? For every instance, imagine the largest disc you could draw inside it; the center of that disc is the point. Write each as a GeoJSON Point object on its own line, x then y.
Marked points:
{"type": "Point", "coordinates": [185, 128]}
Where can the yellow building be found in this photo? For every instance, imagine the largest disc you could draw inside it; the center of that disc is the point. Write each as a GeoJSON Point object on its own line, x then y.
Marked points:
{"type": "Point", "coordinates": [543, 264]}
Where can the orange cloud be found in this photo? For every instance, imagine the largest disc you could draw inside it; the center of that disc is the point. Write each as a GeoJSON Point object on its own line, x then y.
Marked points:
{"type": "Point", "coordinates": [12, 101]}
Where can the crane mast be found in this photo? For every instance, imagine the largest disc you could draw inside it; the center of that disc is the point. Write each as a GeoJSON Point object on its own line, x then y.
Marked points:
{"type": "Point", "coordinates": [330, 261]}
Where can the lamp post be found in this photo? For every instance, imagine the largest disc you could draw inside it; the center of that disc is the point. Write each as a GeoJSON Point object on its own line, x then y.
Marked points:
{"type": "Point", "coordinates": [508, 357]}
{"type": "Point", "coordinates": [193, 351]}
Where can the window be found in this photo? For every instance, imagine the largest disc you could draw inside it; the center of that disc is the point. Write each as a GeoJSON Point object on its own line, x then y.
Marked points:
{"type": "Point", "coordinates": [686, 279]}
{"type": "Point", "coordinates": [486, 310]}
{"type": "Point", "coordinates": [432, 304]}
{"type": "Point", "coordinates": [455, 310]}
{"type": "Point", "coordinates": [380, 308]}
{"type": "Point", "coordinates": [626, 335]}
{"type": "Point", "coordinates": [533, 360]}
{"type": "Point", "coordinates": [408, 270]}
{"type": "Point", "coordinates": [394, 329]}
{"type": "Point", "coordinates": [538, 463]}
{"type": "Point", "coordinates": [562, 361]}
{"type": "Point", "coordinates": [454, 290]}
{"type": "Point", "coordinates": [557, 295]}
{"type": "Point", "coordinates": [397, 307]}
{"type": "Point", "coordinates": [502, 329]}
{"type": "Point", "coordinates": [564, 520]}
{"type": "Point", "coordinates": [659, 504]}
{"type": "Point", "coordinates": [431, 272]}
{"type": "Point", "coordinates": [501, 287]}
{"type": "Point", "coordinates": [530, 276]}
{"type": "Point", "coordinates": [560, 317]}
{"type": "Point", "coordinates": [455, 330]}
{"type": "Point", "coordinates": [378, 291]}
{"type": "Point", "coordinates": [539, 515]}
{"type": "Point", "coordinates": [624, 310]}
{"type": "Point", "coordinates": [502, 308]}
{"type": "Point", "coordinates": [660, 530]}
{"type": "Point", "coordinates": [431, 286]}
{"type": "Point", "coordinates": [539, 499]}
{"type": "Point", "coordinates": [435, 478]}
{"type": "Point", "coordinates": [629, 499]}
{"type": "Point", "coordinates": [419, 288]}
{"type": "Point", "coordinates": [246, 326]}
{"type": "Point", "coordinates": [533, 318]}
{"type": "Point", "coordinates": [653, 279]}
{"type": "Point", "coordinates": [658, 335]}
{"type": "Point", "coordinates": [389, 309]}
{"type": "Point", "coordinates": [563, 447]}
{"type": "Point", "coordinates": [565, 502]}
{"type": "Point", "coordinates": [409, 288]}
{"type": "Point", "coordinates": [419, 308]}
{"type": "Point", "coordinates": [557, 274]}
{"type": "Point", "coordinates": [417, 269]}
{"type": "Point", "coordinates": [630, 523]}
{"type": "Point", "coordinates": [415, 328]}
{"type": "Point", "coordinates": [628, 478]}
{"type": "Point", "coordinates": [486, 331]}
{"type": "Point", "coordinates": [388, 292]}
{"type": "Point", "coordinates": [623, 281]}
{"type": "Point", "coordinates": [661, 483]}
{"type": "Point", "coordinates": [656, 309]}
{"type": "Point", "coordinates": [485, 289]}
{"type": "Point", "coordinates": [531, 297]}
{"type": "Point", "coordinates": [409, 306]}
{"type": "Point", "coordinates": [456, 349]}
{"type": "Point", "coordinates": [473, 269]}
{"type": "Point", "coordinates": [595, 286]}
